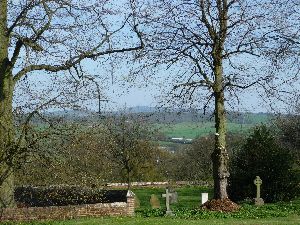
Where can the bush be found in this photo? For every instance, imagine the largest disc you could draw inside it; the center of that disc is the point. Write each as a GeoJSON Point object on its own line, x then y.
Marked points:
{"type": "Point", "coordinates": [194, 161]}
{"type": "Point", "coordinates": [262, 156]}
{"type": "Point", "coordinates": [246, 212]}
{"type": "Point", "coordinates": [66, 195]}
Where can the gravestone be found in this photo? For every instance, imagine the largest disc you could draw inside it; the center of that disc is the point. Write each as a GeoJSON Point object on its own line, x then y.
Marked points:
{"type": "Point", "coordinates": [258, 200]}
{"type": "Point", "coordinates": [154, 202]}
{"type": "Point", "coordinates": [137, 202]}
{"type": "Point", "coordinates": [204, 198]}
{"type": "Point", "coordinates": [171, 197]}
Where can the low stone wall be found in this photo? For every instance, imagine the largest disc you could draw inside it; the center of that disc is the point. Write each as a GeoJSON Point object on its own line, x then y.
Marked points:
{"type": "Point", "coordinates": [70, 212]}
{"type": "Point", "coordinates": [161, 184]}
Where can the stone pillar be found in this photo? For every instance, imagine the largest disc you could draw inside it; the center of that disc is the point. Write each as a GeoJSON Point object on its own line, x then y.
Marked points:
{"type": "Point", "coordinates": [130, 203]}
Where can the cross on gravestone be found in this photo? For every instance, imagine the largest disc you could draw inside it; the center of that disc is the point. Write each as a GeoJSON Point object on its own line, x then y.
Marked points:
{"type": "Point", "coordinates": [258, 200]}
{"type": "Point", "coordinates": [257, 182]}
{"type": "Point", "coordinates": [168, 195]}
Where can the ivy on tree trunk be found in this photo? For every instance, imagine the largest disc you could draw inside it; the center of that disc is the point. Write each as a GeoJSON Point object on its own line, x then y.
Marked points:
{"type": "Point", "coordinates": [6, 116]}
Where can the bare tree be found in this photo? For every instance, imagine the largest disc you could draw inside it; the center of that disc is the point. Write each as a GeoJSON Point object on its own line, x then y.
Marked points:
{"type": "Point", "coordinates": [211, 49]}
{"type": "Point", "coordinates": [130, 146]}
{"type": "Point", "coordinates": [52, 36]}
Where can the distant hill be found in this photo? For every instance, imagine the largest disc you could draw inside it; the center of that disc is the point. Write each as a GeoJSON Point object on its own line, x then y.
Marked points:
{"type": "Point", "coordinates": [158, 116]}
{"type": "Point", "coordinates": [142, 109]}
{"type": "Point", "coordinates": [170, 125]}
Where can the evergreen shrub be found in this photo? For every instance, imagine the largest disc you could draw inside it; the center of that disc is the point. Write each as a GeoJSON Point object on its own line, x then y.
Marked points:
{"type": "Point", "coordinates": [262, 156]}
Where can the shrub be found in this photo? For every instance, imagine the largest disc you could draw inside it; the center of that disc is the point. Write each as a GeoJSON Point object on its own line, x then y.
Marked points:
{"type": "Point", "coordinates": [262, 156]}
{"type": "Point", "coordinates": [66, 195]}
{"type": "Point", "coordinates": [150, 212]}
{"type": "Point", "coordinates": [194, 161]}
{"type": "Point", "coordinates": [246, 212]}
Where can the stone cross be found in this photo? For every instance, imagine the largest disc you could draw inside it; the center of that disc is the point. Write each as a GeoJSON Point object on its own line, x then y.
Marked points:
{"type": "Point", "coordinates": [257, 182]}
{"type": "Point", "coordinates": [168, 196]}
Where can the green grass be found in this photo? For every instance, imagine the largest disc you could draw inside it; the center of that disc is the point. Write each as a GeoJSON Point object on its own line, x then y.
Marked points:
{"type": "Point", "coordinates": [193, 130]}
{"type": "Point", "coordinates": [188, 197]}
{"type": "Point", "coordinates": [282, 213]}
{"type": "Point", "coordinates": [291, 220]}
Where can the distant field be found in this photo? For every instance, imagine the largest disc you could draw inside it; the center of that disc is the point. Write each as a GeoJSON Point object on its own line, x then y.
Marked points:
{"type": "Point", "coordinates": [184, 125]}
{"type": "Point", "coordinates": [193, 130]}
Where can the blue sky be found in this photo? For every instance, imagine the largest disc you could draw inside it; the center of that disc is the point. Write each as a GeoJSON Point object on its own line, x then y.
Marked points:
{"type": "Point", "coordinates": [40, 87]}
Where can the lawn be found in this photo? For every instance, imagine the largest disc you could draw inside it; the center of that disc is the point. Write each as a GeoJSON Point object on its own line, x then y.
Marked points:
{"type": "Point", "coordinates": [292, 220]}
{"type": "Point", "coordinates": [188, 197]}
{"type": "Point", "coordinates": [282, 213]}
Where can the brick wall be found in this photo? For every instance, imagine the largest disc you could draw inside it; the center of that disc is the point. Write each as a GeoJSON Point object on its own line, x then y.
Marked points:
{"type": "Point", "coordinates": [70, 212]}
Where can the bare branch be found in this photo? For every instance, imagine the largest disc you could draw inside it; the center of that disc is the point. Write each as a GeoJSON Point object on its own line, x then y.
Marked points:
{"type": "Point", "coordinates": [204, 19]}
{"type": "Point", "coordinates": [230, 84]}
{"type": "Point", "coordinates": [22, 14]}
{"type": "Point", "coordinates": [76, 60]}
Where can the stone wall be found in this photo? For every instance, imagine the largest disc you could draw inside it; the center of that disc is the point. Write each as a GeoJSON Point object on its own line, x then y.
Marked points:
{"type": "Point", "coordinates": [161, 184]}
{"type": "Point", "coordinates": [70, 212]}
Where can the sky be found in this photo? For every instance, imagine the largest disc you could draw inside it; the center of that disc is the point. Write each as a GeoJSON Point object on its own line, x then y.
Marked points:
{"type": "Point", "coordinates": [119, 95]}
{"type": "Point", "coordinates": [249, 101]}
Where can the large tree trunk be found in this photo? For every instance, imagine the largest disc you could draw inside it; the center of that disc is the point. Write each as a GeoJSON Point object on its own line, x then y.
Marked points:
{"type": "Point", "coordinates": [6, 116]}
{"type": "Point", "coordinates": [220, 156]}
{"type": "Point", "coordinates": [128, 180]}
{"type": "Point", "coordinates": [6, 140]}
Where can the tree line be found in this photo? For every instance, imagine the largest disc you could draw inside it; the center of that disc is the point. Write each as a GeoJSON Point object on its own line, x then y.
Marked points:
{"type": "Point", "coordinates": [125, 150]}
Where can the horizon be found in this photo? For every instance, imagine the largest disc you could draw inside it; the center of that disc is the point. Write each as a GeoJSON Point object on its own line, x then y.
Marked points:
{"type": "Point", "coordinates": [151, 109]}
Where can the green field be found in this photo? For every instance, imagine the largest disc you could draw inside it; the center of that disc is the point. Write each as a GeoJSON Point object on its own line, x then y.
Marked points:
{"type": "Point", "coordinates": [193, 130]}
{"type": "Point", "coordinates": [236, 123]}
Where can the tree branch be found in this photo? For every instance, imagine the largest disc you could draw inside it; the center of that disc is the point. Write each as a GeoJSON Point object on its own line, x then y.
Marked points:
{"type": "Point", "coordinates": [28, 7]}
{"type": "Point", "coordinates": [229, 84]}
{"type": "Point", "coordinates": [77, 59]}
{"type": "Point", "coordinates": [204, 19]}
{"type": "Point", "coordinates": [16, 53]}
